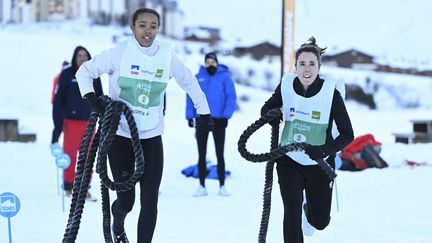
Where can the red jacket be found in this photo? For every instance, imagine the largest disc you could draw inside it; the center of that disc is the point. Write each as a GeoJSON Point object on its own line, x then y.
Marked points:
{"type": "Point", "coordinates": [55, 82]}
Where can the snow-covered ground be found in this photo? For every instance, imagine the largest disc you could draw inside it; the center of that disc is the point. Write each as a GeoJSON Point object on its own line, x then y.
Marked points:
{"type": "Point", "coordinates": [391, 205]}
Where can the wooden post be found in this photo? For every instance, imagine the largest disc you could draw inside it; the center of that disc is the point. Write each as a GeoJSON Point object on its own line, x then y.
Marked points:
{"type": "Point", "coordinates": [27, 137]}
{"type": "Point", "coordinates": [8, 130]}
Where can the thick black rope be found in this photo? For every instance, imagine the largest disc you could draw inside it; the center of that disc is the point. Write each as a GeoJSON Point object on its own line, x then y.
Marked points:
{"type": "Point", "coordinates": [108, 124]}
{"type": "Point", "coordinates": [268, 186]}
{"type": "Point", "coordinates": [275, 152]}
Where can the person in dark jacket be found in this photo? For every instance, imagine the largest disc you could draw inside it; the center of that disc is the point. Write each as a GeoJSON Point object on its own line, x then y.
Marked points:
{"type": "Point", "coordinates": [311, 106]}
{"type": "Point", "coordinates": [71, 113]}
{"type": "Point", "coordinates": [218, 87]}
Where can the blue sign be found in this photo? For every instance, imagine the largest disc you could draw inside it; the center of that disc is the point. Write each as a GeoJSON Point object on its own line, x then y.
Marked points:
{"type": "Point", "coordinates": [9, 205]}
{"type": "Point", "coordinates": [56, 149]}
{"type": "Point", "coordinates": [63, 161]}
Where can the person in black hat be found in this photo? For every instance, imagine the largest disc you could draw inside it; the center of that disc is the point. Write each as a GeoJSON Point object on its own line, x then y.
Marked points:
{"type": "Point", "coordinates": [218, 86]}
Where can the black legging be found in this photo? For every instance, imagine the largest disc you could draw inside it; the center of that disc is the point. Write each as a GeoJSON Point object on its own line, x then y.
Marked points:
{"type": "Point", "coordinates": [293, 179]}
{"type": "Point", "coordinates": [122, 162]}
{"type": "Point", "coordinates": [219, 140]}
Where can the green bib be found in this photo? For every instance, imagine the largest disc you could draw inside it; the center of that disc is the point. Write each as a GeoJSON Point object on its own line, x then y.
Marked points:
{"type": "Point", "coordinates": [142, 81]}
{"type": "Point", "coordinates": [306, 119]}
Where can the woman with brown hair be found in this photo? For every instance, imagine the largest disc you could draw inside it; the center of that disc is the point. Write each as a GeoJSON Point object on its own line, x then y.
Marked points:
{"type": "Point", "coordinates": [311, 106]}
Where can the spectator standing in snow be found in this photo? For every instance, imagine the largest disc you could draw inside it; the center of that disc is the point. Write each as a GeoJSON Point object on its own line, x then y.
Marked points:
{"type": "Point", "coordinates": [140, 67]}
{"type": "Point", "coordinates": [218, 87]}
{"type": "Point", "coordinates": [311, 107]}
{"type": "Point", "coordinates": [71, 113]}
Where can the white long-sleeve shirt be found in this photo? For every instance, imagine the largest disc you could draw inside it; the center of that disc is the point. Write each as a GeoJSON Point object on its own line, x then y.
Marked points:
{"type": "Point", "coordinates": [109, 62]}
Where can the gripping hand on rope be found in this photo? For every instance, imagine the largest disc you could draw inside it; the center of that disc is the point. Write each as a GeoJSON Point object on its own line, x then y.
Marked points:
{"type": "Point", "coordinates": [275, 153]}
{"type": "Point", "coordinates": [94, 103]}
{"type": "Point", "coordinates": [315, 152]}
{"type": "Point", "coordinates": [277, 116]}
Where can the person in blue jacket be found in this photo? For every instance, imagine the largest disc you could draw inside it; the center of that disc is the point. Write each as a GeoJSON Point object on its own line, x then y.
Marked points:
{"type": "Point", "coordinates": [71, 113]}
{"type": "Point", "coordinates": [219, 89]}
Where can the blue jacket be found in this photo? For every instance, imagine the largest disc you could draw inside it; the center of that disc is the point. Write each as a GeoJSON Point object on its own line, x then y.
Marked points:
{"type": "Point", "coordinates": [220, 93]}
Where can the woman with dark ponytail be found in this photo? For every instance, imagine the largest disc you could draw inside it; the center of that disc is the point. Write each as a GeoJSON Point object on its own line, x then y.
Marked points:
{"type": "Point", "coordinates": [311, 106]}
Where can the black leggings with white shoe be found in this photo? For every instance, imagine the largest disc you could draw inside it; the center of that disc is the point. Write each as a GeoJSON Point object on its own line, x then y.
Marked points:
{"type": "Point", "coordinates": [293, 180]}
{"type": "Point", "coordinates": [122, 162]}
{"type": "Point", "coordinates": [219, 141]}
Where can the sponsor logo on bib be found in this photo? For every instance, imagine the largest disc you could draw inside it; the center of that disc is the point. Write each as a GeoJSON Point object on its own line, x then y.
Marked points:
{"type": "Point", "coordinates": [134, 69]}
{"type": "Point", "coordinates": [159, 73]}
{"type": "Point", "coordinates": [316, 115]}
{"type": "Point", "coordinates": [292, 112]}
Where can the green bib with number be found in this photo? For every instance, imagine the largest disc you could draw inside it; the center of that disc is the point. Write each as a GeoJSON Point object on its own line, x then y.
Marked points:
{"type": "Point", "coordinates": [306, 119]}
{"type": "Point", "coordinates": [143, 80]}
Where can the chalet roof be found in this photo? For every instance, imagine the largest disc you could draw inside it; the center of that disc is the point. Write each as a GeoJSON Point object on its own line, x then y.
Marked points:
{"type": "Point", "coordinates": [265, 45]}
{"type": "Point", "coordinates": [354, 52]}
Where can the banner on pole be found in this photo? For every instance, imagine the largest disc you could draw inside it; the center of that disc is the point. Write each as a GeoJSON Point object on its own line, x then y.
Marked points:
{"type": "Point", "coordinates": [288, 23]}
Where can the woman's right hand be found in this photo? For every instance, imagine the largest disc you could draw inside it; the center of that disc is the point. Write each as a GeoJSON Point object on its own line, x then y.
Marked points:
{"type": "Point", "coordinates": [93, 103]}
{"type": "Point", "coordinates": [275, 121]}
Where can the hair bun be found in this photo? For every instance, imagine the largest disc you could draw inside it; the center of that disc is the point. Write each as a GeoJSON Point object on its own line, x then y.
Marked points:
{"type": "Point", "coordinates": [311, 41]}
{"type": "Point", "coordinates": [311, 44]}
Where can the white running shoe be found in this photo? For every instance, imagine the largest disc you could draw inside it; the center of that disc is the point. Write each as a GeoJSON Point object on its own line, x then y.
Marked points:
{"type": "Point", "coordinates": [200, 192]}
{"type": "Point", "coordinates": [90, 197]}
{"type": "Point", "coordinates": [223, 192]}
{"type": "Point", "coordinates": [307, 228]}
{"type": "Point", "coordinates": [68, 193]}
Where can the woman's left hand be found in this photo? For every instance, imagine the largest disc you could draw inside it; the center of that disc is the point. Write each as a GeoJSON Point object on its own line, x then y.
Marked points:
{"type": "Point", "coordinates": [315, 152]}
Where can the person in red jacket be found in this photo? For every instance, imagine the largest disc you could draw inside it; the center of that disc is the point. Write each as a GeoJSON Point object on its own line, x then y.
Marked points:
{"type": "Point", "coordinates": [71, 113]}
{"type": "Point", "coordinates": [56, 79]}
